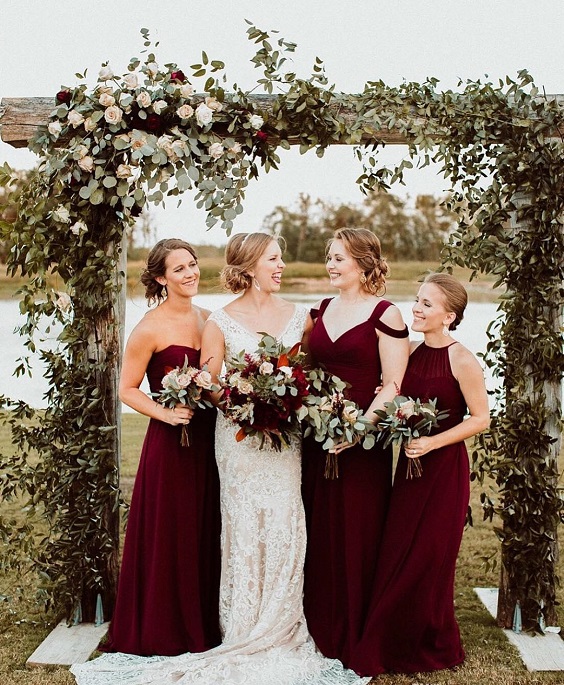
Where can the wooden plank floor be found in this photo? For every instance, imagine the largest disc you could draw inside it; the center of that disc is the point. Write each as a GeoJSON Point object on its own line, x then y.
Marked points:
{"type": "Point", "coordinates": [538, 652]}
{"type": "Point", "coordinates": [66, 645]}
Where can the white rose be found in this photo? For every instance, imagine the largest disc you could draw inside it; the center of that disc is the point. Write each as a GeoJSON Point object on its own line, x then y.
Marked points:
{"type": "Point", "coordinates": [131, 81]}
{"type": "Point", "coordinates": [266, 368]}
{"type": "Point", "coordinates": [123, 171]}
{"type": "Point", "coordinates": [350, 414]}
{"type": "Point", "coordinates": [63, 302]}
{"type": "Point", "coordinates": [186, 90]}
{"type": "Point", "coordinates": [184, 379]}
{"type": "Point", "coordinates": [138, 139]}
{"type": "Point", "coordinates": [185, 112]}
{"type": "Point", "coordinates": [204, 115]}
{"type": "Point", "coordinates": [204, 379]}
{"type": "Point", "coordinates": [178, 149]}
{"type": "Point", "coordinates": [256, 121]}
{"type": "Point", "coordinates": [216, 150]}
{"type": "Point", "coordinates": [236, 148]}
{"type": "Point", "coordinates": [163, 176]}
{"type": "Point", "coordinates": [55, 128]}
{"type": "Point", "coordinates": [90, 125]}
{"type": "Point", "coordinates": [62, 215]}
{"type": "Point", "coordinates": [406, 409]}
{"type": "Point", "coordinates": [286, 370]}
{"type": "Point", "coordinates": [113, 115]}
{"type": "Point", "coordinates": [214, 104]}
{"type": "Point", "coordinates": [86, 163]}
{"type": "Point", "coordinates": [78, 228]}
{"type": "Point", "coordinates": [81, 151]}
{"type": "Point", "coordinates": [106, 100]}
{"type": "Point", "coordinates": [75, 118]}
{"type": "Point", "coordinates": [144, 99]}
{"type": "Point", "coordinates": [159, 105]}
{"type": "Point", "coordinates": [105, 73]}
{"type": "Point", "coordinates": [244, 386]}
{"type": "Point", "coordinates": [152, 69]}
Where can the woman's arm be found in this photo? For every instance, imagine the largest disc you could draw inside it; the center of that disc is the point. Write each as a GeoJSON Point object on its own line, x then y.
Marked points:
{"type": "Point", "coordinates": [213, 353]}
{"type": "Point", "coordinates": [470, 376]}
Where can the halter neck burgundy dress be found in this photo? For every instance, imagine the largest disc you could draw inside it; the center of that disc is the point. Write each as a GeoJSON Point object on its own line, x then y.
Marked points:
{"type": "Point", "coordinates": [345, 516]}
{"type": "Point", "coordinates": [411, 626]}
{"type": "Point", "coordinates": [168, 591]}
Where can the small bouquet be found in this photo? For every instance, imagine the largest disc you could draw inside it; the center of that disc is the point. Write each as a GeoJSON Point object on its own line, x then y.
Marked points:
{"type": "Point", "coordinates": [403, 419]}
{"type": "Point", "coordinates": [332, 418]}
{"type": "Point", "coordinates": [184, 385]}
{"type": "Point", "coordinates": [264, 390]}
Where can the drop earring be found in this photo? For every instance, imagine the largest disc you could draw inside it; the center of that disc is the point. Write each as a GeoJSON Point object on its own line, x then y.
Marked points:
{"type": "Point", "coordinates": [256, 284]}
{"type": "Point", "coordinates": [446, 331]}
{"type": "Point", "coordinates": [363, 278]}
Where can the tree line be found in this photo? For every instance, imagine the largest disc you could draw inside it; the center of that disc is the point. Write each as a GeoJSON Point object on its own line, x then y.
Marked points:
{"type": "Point", "coordinates": [407, 232]}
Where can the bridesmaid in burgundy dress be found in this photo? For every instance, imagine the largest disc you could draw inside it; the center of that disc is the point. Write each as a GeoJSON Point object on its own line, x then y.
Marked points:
{"type": "Point", "coordinates": [361, 338]}
{"type": "Point", "coordinates": [168, 592]}
{"type": "Point", "coordinates": [411, 625]}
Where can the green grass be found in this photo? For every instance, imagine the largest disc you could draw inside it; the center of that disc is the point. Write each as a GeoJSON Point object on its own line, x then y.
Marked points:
{"type": "Point", "coordinates": [490, 659]}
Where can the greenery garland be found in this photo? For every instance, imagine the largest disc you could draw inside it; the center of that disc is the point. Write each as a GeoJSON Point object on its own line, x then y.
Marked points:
{"type": "Point", "coordinates": [147, 135]}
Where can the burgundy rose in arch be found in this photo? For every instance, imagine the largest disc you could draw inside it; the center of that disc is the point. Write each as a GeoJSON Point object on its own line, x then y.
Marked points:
{"type": "Point", "coordinates": [64, 97]}
{"type": "Point", "coordinates": [153, 123]}
{"type": "Point", "coordinates": [261, 135]}
{"type": "Point", "coordinates": [178, 75]}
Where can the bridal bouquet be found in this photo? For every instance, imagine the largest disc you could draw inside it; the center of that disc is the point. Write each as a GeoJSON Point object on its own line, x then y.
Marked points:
{"type": "Point", "coordinates": [332, 418]}
{"type": "Point", "coordinates": [264, 390]}
{"type": "Point", "coordinates": [405, 418]}
{"type": "Point", "coordinates": [184, 385]}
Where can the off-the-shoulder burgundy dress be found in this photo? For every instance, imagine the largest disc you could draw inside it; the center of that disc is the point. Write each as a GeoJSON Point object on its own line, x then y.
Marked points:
{"type": "Point", "coordinates": [345, 516]}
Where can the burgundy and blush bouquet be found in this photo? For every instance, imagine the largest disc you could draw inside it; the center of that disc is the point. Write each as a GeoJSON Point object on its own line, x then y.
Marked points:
{"type": "Point", "coordinates": [184, 385]}
{"type": "Point", "coordinates": [404, 419]}
{"type": "Point", "coordinates": [332, 418]}
{"type": "Point", "coordinates": [263, 392]}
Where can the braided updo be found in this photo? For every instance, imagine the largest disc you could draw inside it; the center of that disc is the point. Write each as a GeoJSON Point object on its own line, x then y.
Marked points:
{"type": "Point", "coordinates": [241, 255]}
{"type": "Point", "coordinates": [364, 247]}
{"type": "Point", "coordinates": [456, 297]}
{"type": "Point", "coordinates": [156, 267]}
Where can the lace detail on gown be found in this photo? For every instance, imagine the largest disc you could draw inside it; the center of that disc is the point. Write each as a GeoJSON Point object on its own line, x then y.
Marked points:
{"type": "Point", "coordinates": [265, 636]}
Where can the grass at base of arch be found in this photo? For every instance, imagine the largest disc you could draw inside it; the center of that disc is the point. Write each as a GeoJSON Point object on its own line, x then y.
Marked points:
{"type": "Point", "coordinates": [490, 658]}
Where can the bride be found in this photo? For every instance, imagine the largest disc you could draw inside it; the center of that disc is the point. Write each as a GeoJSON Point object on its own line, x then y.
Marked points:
{"type": "Point", "coordinates": [265, 636]}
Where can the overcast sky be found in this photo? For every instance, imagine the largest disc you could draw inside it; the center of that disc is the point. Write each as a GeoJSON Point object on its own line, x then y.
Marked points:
{"type": "Point", "coordinates": [44, 43]}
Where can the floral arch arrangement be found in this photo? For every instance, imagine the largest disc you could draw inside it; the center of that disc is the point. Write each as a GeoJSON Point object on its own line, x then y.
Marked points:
{"type": "Point", "coordinates": [148, 135]}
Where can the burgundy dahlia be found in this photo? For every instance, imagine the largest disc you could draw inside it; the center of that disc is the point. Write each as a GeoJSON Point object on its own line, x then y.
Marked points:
{"type": "Point", "coordinates": [63, 97]}
{"type": "Point", "coordinates": [178, 75]}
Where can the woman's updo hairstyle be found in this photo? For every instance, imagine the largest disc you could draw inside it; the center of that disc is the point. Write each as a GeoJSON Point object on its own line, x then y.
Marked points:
{"type": "Point", "coordinates": [364, 247]}
{"type": "Point", "coordinates": [241, 256]}
{"type": "Point", "coordinates": [156, 267]}
{"type": "Point", "coordinates": [456, 297]}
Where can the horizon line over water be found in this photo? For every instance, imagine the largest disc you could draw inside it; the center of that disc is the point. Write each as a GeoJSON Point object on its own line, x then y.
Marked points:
{"type": "Point", "coordinates": [471, 333]}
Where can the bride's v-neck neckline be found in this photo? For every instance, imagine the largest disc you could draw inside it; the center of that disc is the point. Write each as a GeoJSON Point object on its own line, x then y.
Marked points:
{"type": "Point", "coordinates": [258, 335]}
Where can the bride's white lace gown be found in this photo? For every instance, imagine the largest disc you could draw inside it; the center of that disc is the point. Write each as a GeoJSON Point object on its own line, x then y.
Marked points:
{"type": "Point", "coordinates": [265, 636]}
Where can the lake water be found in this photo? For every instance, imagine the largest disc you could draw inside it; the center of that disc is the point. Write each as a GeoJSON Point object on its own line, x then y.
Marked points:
{"type": "Point", "coordinates": [471, 333]}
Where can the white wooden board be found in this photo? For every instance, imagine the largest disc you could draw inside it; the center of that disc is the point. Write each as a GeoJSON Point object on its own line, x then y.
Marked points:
{"type": "Point", "coordinates": [538, 652]}
{"type": "Point", "coordinates": [66, 645]}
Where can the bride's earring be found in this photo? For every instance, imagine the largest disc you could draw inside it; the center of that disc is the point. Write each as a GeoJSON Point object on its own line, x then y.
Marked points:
{"type": "Point", "coordinates": [446, 331]}
{"type": "Point", "coordinates": [256, 284]}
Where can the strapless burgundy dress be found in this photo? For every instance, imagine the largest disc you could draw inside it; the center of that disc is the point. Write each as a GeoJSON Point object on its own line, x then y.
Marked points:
{"type": "Point", "coordinates": [168, 591]}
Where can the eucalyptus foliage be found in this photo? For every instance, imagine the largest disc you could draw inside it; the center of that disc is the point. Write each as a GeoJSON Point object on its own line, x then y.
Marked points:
{"type": "Point", "coordinates": [148, 135]}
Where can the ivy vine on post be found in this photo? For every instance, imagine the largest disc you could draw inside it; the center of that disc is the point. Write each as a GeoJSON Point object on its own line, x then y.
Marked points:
{"type": "Point", "coordinates": [149, 135]}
